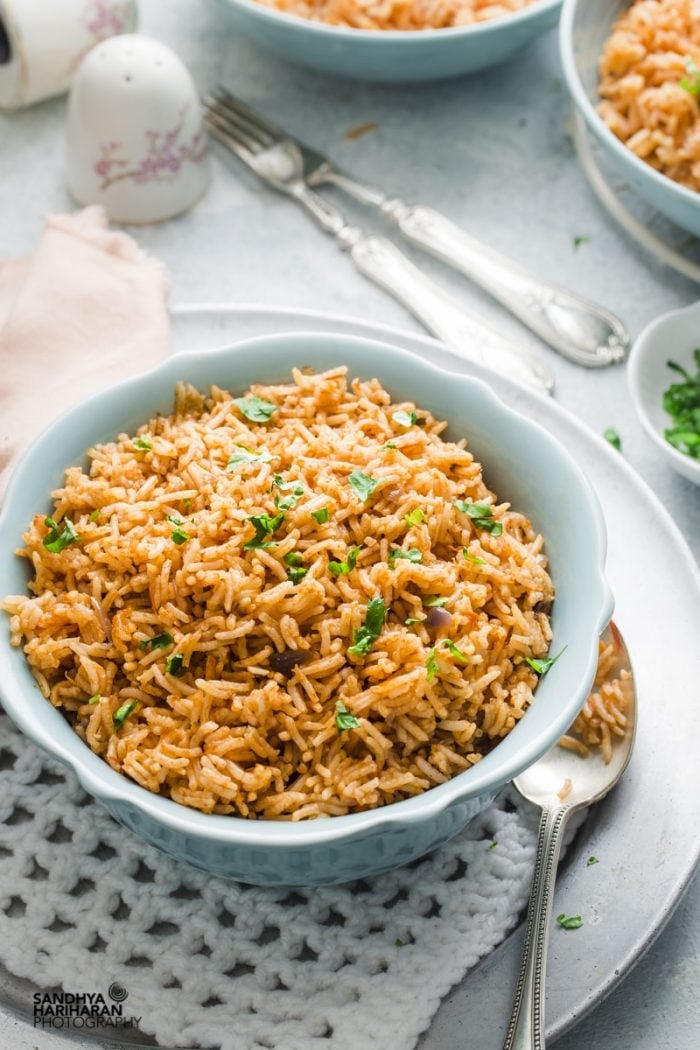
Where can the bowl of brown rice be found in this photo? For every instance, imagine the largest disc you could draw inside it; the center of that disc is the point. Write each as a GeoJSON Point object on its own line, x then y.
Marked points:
{"type": "Point", "coordinates": [633, 71]}
{"type": "Point", "coordinates": [294, 611]}
{"type": "Point", "coordinates": [398, 41]}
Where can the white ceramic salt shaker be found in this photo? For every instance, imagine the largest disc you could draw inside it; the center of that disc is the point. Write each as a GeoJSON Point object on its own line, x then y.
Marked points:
{"type": "Point", "coordinates": [136, 142]}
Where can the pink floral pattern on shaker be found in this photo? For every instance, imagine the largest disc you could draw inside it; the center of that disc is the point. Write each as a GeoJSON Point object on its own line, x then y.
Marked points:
{"type": "Point", "coordinates": [102, 19]}
{"type": "Point", "coordinates": [164, 158]}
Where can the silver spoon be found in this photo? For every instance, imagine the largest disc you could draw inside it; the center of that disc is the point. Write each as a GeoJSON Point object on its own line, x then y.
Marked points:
{"type": "Point", "coordinates": [591, 779]}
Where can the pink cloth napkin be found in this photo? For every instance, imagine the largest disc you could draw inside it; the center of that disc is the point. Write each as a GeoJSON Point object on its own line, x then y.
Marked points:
{"type": "Point", "coordinates": [88, 309]}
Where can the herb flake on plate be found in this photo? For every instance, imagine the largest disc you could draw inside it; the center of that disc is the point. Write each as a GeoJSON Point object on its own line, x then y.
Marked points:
{"type": "Point", "coordinates": [613, 438]}
{"type": "Point", "coordinates": [366, 636]}
{"type": "Point", "coordinates": [571, 922]}
{"type": "Point", "coordinates": [60, 536]}
{"type": "Point", "coordinates": [591, 861]}
{"type": "Point", "coordinates": [255, 408]}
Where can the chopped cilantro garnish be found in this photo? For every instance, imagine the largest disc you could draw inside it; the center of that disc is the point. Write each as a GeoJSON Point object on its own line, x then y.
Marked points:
{"type": "Point", "coordinates": [295, 572]}
{"type": "Point", "coordinates": [243, 454]}
{"type": "Point", "coordinates": [414, 517]}
{"type": "Point", "coordinates": [293, 558]}
{"type": "Point", "coordinates": [342, 568]}
{"type": "Point", "coordinates": [390, 444]}
{"type": "Point", "coordinates": [344, 719]}
{"type": "Point", "coordinates": [540, 667]}
{"type": "Point", "coordinates": [264, 525]}
{"type": "Point", "coordinates": [691, 83]}
{"type": "Point", "coordinates": [414, 619]}
{"type": "Point", "coordinates": [404, 419]}
{"type": "Point", "coordinates": [573, 922]}
{"type": "Point", "coordinates": [613, 438]}
{"type": "Point", "coordinates": [294, 488]}
{"type": "Point", "coordinates": [321, 516]}
{"type": "Point", "coordinates": [435, 601]}
{"type": "Point", "coordinates": [255, 408]}
{"type": "Point", "coordinates": [174, 665]}
{"type": "Point", "coordinates": [590, 861]}
{"type": "Point", "coordinates": [122, 713]}
{"type": "Point", "coordinates": [178, 535]}
{"type": "Point", "coordinates": [472, 557]}
{"type": "Point", "coordinates": [159, 641]}
{"type": "Point", "coordinates": [493, 844]}
{"type": "Point", "coordinates": [482, 516]}
{"type": "Point", "coordinates": [296, 575]}
{"type": "Point", "coordinates": [431, 666]}
{"type": "Point", "coordinates": [362, 485]}
{"type": "Point", "coordinates": [366, 636]}
{"type": "Point", "coordinates": [578, 241]}
{"type": "Point", "coordinates": [682, 402]}
{"type": "Point", "coordinates": [412, 554]}
{"type": "Point", "coordinates": [94, 699]}
{"type": "Point", "coordinates": [457, 653]}
{"type": "Point", "coordinates": [143, 444]}
{"type": "Point", "coordinates": [60, 536]}
{"type": "Point", "coordinates": [94, 515]}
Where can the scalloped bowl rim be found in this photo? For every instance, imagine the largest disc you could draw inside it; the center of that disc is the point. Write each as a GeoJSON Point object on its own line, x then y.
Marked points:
{"type": "Point", "coordinates": [376, 36]}
{"type": "Point", "coordinates": [684, 463]}
{"type": "Point", "coordinates": [26, 707]}
{"type": "Point", "coordinates": [596, 122]}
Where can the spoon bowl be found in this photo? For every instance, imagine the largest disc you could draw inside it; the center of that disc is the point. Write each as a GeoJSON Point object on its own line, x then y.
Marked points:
{"type": "Point", "coordinates": [560, 783]}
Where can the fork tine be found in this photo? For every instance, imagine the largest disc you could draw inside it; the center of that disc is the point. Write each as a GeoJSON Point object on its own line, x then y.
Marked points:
{"type": "Point", "coordinates": [231, 137]}
{"type": "Point", "coordinates": [223, 126]}
{"type": "Point", "coordinates": [239, 109]}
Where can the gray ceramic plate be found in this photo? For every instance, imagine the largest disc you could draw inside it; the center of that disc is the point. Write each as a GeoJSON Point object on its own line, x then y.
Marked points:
{"type": "Point", "coordinates": [645, 833]}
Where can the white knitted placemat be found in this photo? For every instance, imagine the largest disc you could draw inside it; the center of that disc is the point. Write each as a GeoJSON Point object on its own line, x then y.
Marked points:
{"type": "Point", "coordinates": [215, 964]}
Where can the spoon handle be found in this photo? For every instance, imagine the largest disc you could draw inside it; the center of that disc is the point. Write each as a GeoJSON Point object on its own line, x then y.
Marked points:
{"type": "Point", "coordinates": [526, 1028]}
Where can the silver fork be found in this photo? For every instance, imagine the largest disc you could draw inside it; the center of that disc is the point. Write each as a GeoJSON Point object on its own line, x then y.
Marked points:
{"type": "Point", "coordinates": [579, 329]}
{"type": "Point", "coordinates": [278, 161]}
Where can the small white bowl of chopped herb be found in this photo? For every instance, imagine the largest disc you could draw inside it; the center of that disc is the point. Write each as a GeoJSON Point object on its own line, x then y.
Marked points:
{"type": "Point", "coordinates": [664, 380]}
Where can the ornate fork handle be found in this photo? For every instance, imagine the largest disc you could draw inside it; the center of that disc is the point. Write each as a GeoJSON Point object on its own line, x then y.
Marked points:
{"type": "Point", "coordinates": [379, 260]}
{"type": "Point", "coordinates": [526, 1028]}
{"type": "Point", "coordinates": [579, 329]}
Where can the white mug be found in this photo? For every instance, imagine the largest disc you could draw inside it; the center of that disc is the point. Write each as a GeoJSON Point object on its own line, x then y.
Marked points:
{"type": "Point", "coordinates": [44, 42]}
{"type": "Point", "coordinates": [136, 142]}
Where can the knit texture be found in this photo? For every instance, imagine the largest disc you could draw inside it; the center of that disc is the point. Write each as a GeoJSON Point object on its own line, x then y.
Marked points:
{"type": "Point", "coordinates": [215, 964]}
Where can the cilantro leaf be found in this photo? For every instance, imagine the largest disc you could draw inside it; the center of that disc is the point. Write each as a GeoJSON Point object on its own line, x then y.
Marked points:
{"type": "Point", "coordinates": [472, 557]}
{"type": "Point", "coordinates": [612, 436]}
{"type": "Point", "coordinates": [122, 713]}
{"type": "Point", "coordinates": [457, 653]}
{"type": "Point", "coordinates": [414, 619]}
{"type": "Point", "coordinates": [404, 419]}
{"type": "Point", "coordinates": [435, 601]}
{"type": "Point", "coordinates": [246, 455]}
{"type": "Point", "coordinates": [342, 568]}
{"type": "Point", "coordinates": [255, 408]}
{"type": "Point", "coordinates": [174, 665]}
{"type": "Point", "coordinates": [412, 554]}
{"type": "Point", "coordinates": [578, 241]}
{"type": "Point", "coordinates": [60, 536]}
{"type": "Point", "coordinates": [573, 922]}
{"type": "Point", "coordinates": [94, 515]}
{"type": "Point", "coordinates": [178, 535]}
{"type": "Point", "coordinates": [482, 516]}
{"type": "Point", "coordinates": [366, 636]}
{"type": "Point", "coordinates": [264, 525]}
{"type": "Point", "coordinates": [321, 516]}
{"type": "Point", "coordinates": [143, 444]}
{"type": "Point", "coordinates": [691, 83]}
{"type": "Point", "coordinates": [344, 719]}
{"type": "Point", "coordinates": [432, 666]}
{"type": "Point", "coordinates": [362, 485]}
{"type": "Point", "coordinates": [493, 844]}
{"type": "Point", "coordinates": [390, 444]}
{"type": "Point", "coordinates": [94, 699]}
{"type": "Point", "coordinates": [295, 489]}
{"type": "Point", "coordinates": [414, 517]}
{"type": "Point", "coordinates": [160, 641]}
{"type": "Point", "coordinates": [540, 667]}
{"type": "Point", "coordinates": [590, 861]}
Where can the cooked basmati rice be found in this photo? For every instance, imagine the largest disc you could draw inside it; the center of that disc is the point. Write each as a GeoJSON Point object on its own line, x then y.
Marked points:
{"type": "Point", "coordinates": [651, 53]}
{"type": "Point", "coordinates": [213, 673]}
{"type": "Point", "coordinates": [399, 14]}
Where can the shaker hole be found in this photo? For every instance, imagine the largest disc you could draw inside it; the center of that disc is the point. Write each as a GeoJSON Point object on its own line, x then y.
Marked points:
{"type": "Point", "coordinates": [127, 78]}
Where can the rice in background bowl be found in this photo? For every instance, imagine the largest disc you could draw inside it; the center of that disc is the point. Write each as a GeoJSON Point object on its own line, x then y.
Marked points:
{"type": "Point", "coordinates": [521, 460]}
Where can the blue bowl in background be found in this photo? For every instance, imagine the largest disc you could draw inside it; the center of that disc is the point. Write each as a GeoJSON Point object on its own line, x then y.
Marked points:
{"type": "Point", "coordinates": [391, 55]}
{"type": "Point", "coordinates": [585, 26]}
{"type": "Point", "coordinates": [522, 463]}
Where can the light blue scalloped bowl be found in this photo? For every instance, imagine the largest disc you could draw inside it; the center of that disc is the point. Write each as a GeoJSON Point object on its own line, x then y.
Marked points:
{"type": "Point", "coordinates": [390, 55]}
{"type": "Point", "coordinates": [585, 26]}
{"type": "Point", "coordinates": [523, 464]}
